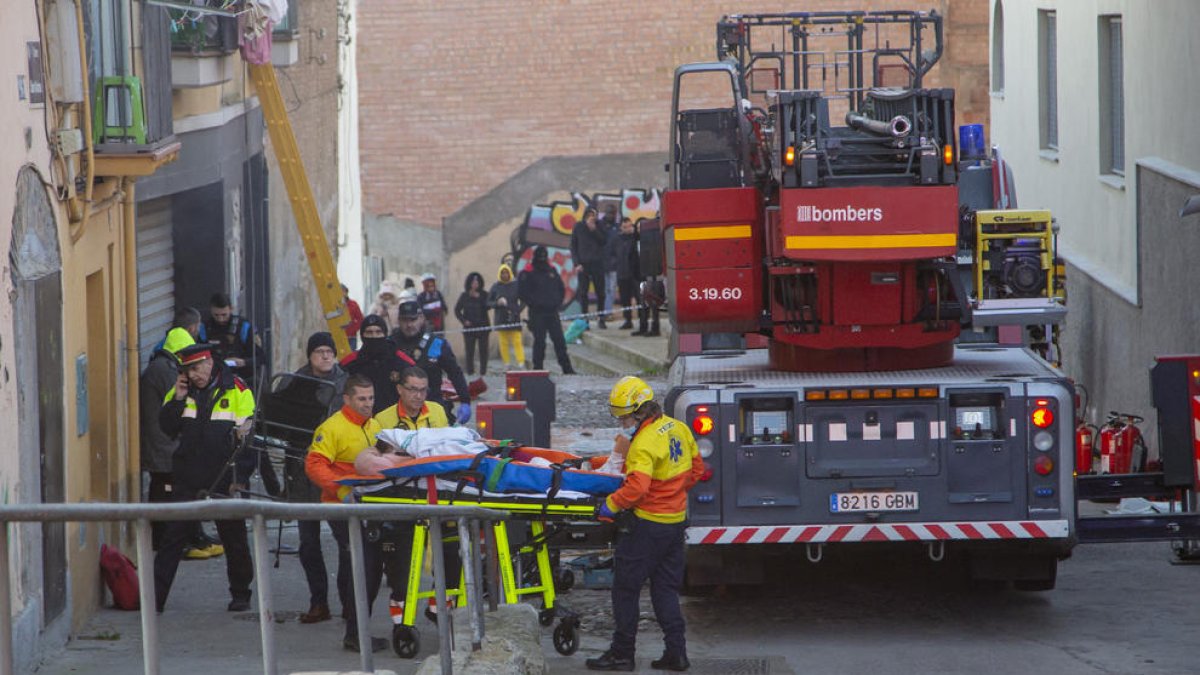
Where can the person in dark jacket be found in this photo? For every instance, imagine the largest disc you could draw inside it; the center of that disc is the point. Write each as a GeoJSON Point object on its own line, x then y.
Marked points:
{"type": "Point", "coordinates": [239, 344]}
{"type": "Point", "coordinates": [236, 340]}
{"type": "Point", "coordinates": [541, 289]}
{"type": "Point", "coordinates": [610, 223]}
{"type": "Point", "coordinates": [157, 379]}
{"type": "Point", "coordinates": [210, 410]}
{"type": "Point", "coordinates": [471, 312]}
{"type": "Point", "coordinates": [322, 365]}
{"type": "Point", "coordinates": [627, 275]}
{"type": "Point", "coordinates": [434, 355]}
{"type": "Point", "coordinates": [506, 302]}
{"type": "Point", "coordinates": [587, 251]}
{"type": "Point", "coordinates": [379, 360]}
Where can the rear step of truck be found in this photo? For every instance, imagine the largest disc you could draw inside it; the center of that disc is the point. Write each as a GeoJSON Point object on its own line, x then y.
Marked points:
{"type": "Point", "coordinates": [1182, 526]}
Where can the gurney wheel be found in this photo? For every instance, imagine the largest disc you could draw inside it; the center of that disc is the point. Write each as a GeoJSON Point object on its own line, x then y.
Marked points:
{"type": "Point", "coordinates": [566, 636]}
{"type": "Point", "coordinates": [546, 616]}
{"type": "Point", "coordinates": [406, 640]}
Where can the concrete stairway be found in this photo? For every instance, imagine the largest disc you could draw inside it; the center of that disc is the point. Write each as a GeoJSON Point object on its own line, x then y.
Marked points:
{"type": "Point", "coordinates": [614, 352]}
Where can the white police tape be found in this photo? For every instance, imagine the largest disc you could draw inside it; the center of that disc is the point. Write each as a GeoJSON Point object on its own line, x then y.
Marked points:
{"type": "Point", "coordinates": [563, 318]}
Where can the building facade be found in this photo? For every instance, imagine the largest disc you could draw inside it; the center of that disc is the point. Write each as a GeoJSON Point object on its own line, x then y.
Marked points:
{"type": "Point", "coordinates": [1094, 132]}
{"type": "Point", "coordinates": [83, 126]}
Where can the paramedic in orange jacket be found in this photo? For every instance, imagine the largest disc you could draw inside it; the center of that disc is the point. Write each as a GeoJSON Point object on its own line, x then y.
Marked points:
{"type": "Point", "coordinates": [662, 464]}
{"type": "Point", "coordinates": [330, 458]}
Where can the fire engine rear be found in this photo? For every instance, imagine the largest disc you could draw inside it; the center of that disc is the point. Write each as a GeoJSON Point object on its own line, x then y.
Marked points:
{"type": "Point", "coordinates": [842, 273]}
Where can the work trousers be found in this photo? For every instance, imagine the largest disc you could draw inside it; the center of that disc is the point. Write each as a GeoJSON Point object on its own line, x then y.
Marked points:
{"type": "Point", "coordinates": [238, 565]}
{"type": "Point", "coordinates": [541, 324]}
{"type": "Point", "coordinates": [651, 551]}
{"type": "Point", "coordinates": [476, 341]}
{"type": "Point", "coordinates": [594, 275]}
{"type": "Point", "coordinates": [511, 340]}
{"type": "Point", "coordinates": [313, 562]}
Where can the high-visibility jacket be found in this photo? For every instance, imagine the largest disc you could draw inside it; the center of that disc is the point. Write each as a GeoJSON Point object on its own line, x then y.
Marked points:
{"type": "Point", "coordinates": [335, 444]}
{"type": "Point", "coordinates": [662, 464]}
{"type": "Point", "coordinates": [430, 417]}
{"type": "Point", "coordinates": [204, 422]}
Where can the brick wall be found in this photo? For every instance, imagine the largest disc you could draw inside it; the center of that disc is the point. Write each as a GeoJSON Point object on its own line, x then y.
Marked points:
{"type": "Point", "coordinates": [454, 101]}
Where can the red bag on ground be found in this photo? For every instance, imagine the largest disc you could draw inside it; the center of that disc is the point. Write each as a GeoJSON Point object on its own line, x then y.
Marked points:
{"type": "Point", "coordinates": [120, 576]}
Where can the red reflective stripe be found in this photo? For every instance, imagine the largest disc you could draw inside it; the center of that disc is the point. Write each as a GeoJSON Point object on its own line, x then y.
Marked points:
{"type": "Point", "coordinates": [745, 535]}
{"type": "Point", "coordinates": [713, 536]}
{"type": "Point", "coordinates": [875, 534]}
{"type": "Point", "coordinates": [906, 532]}
{"type": "Point", "coordinates": [937, 532]}
{"type": "Point", "coordinates": [1033, 529]}
{"type": "Point", "coordinates": [841, 532]}
{"type": "Point", "coordinates": [970, 531]}
{"type": "Point", "coordinates": [776, 535]}
{"type": "Point", "coordinates": [1003, 531]}
{"type": "Point", "coordinates": [808, 534]}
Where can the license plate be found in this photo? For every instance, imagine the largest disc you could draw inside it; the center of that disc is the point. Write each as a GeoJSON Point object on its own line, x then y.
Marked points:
{"type": "Point", "coordinates": [854, 502]}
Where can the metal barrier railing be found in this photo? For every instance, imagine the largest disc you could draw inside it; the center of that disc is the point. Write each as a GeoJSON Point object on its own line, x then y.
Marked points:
{"type": "Point", "coordinates": [468, 518]}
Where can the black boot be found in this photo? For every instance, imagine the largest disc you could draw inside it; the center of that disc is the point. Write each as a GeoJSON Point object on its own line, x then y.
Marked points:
{"type": "Point", "coordinates": [610, 661]}
{"type": "Point", "coordinates": [676, 662]}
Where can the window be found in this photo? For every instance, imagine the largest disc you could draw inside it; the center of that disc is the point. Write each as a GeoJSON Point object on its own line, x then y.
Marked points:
{"type": "Point", "coordinates": [1112, 96]}
{"type": "Point", "coordinates": [1048, 78]}
{"type": "Point", "coordinates": [290, 26]}
{"type": "Point", "coordinates": [998, 49]}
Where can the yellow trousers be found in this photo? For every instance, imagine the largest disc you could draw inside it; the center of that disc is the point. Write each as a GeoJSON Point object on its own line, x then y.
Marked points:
{"type": "Point", "coordinates": [511, 339]}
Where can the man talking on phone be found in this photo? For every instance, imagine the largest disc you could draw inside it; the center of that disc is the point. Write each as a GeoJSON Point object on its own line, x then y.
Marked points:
{"type": "Point", "coordinates": [210, 410]}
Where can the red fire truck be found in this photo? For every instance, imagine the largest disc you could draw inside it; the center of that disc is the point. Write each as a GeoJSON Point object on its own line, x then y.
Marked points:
{"type": "Point", "coordinates": [862, 321]}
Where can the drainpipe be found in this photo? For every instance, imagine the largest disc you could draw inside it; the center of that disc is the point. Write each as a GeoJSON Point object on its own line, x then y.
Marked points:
{"type": "Point", "coordinates": [131, 337]}
{"type": "Point", "coordinates": [80, 212]}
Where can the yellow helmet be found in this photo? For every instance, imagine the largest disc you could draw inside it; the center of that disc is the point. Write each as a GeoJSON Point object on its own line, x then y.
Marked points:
{"type": "Point", "coordinates": [627, 395]}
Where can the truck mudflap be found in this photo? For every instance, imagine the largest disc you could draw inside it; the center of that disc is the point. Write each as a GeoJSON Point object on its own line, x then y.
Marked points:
{"type": "Point", "coordinates": [941, 531]}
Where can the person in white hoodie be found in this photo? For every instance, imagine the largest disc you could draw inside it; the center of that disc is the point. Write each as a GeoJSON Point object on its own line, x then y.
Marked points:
{"type": "Point", "coordinates": [387, 306]}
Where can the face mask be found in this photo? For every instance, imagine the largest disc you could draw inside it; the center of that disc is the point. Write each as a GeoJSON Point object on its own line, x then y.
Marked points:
{"type": "Point", "coordinates": [629, 433]}
{"type": "Point", "coordinates": [375, 345]}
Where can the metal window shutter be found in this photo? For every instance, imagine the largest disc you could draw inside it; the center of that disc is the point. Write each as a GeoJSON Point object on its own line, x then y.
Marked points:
{"type": "Point", "coordinates": [156, 272]}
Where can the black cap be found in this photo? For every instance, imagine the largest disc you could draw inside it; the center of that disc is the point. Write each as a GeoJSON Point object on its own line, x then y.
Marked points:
{"type": "Point", "coordinates": [540, 253]}
{"type": "Point", "coordinates": [409, 309]}
{"type": "Point", "coordinates": [320, 339]}
{"type": "Point", "coordinates": [373, 320]}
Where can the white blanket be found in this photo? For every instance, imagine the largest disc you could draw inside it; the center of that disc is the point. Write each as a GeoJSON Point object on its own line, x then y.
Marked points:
{"type": "Point", "coordinates": [434, 442]}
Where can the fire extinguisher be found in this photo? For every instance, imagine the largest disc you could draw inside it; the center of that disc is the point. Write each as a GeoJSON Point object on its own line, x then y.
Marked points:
{"type": "Point", "coordinates": [1085, 446]}
{"type": "Point", "coordinates": [1122, 448]}
{"type": "Point", "coordinates": [1085, 435]}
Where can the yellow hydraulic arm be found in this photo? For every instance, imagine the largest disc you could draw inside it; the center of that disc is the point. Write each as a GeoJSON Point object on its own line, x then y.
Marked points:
{"type": "Point", "coordinates": [304, 208]}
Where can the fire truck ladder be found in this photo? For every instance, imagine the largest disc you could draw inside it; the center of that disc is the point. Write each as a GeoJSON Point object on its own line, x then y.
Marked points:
{"type": "Point", "coordinates": [304, 208]}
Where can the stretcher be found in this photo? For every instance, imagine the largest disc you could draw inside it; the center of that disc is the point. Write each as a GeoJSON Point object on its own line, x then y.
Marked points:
{"type": "Point", "coordinates": [505, 478]}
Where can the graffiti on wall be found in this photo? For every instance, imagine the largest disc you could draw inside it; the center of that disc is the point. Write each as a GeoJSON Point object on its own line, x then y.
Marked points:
{"type": "Point", "coordinates": [550, 225]}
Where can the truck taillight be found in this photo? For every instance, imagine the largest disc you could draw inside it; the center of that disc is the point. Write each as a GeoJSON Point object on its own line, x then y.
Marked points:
{"type": "Point", "coordinates": [1042, 416]}
{"type": "Point", "coordinates": [702, 424]}
{"type": "Point", "coordinates": [1043, 465]}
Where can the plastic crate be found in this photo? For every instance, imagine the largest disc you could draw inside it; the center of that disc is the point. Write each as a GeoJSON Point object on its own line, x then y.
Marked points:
{"type": "Point", "coordinates": [594, 569]}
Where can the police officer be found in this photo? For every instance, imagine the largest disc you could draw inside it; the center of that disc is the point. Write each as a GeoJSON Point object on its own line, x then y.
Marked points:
{"type": "Point", "coordinates": [433, 354]}
{"type": "Point", "coordinates": [210, 410]}
{"type": "Point", "coordinates": [378, 360]}
{"type": "Point", "coordinates": [662, 464]}
{"type": "Point", "coordinates": [236, 340]}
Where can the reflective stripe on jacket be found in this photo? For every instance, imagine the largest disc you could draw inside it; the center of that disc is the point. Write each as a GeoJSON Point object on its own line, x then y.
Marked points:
{"type": "Point", "coordinates": [335, 444]}
{"type": "Point", "coordinates": [662, 464]}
